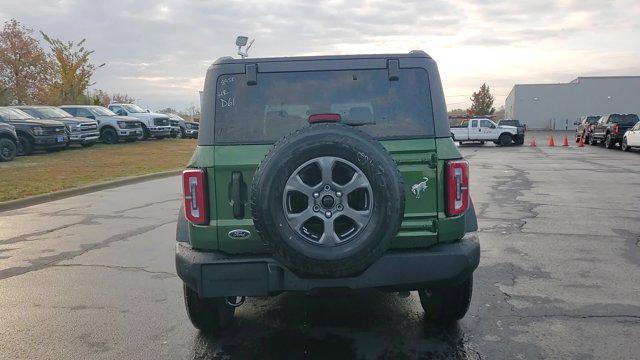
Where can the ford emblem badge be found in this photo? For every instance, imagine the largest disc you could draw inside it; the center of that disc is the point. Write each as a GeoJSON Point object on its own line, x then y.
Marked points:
{"type": "Point", "coordinates": [239, 234]}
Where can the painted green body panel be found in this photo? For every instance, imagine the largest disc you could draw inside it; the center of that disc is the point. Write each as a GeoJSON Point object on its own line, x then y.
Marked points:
{"type": "Point", "coordinates": [424, 223]}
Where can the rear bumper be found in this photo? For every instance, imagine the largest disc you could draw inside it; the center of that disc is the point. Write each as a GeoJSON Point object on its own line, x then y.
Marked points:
{"type": "Point", "coordinates": [214, 274]}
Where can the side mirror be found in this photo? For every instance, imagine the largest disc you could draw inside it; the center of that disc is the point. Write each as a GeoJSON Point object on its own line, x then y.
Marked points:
{"type": "Point", "coordinates": [493, 126]}
{"type": "Point", "coordinates": [121, 112]}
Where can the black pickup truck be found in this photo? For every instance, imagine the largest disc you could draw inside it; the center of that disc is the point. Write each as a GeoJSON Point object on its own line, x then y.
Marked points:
{"type": "Point", "coordinates": [34, 133]}
{"type": "Point", "coordinates": [522, 129]}
{"type": "Point", "coordinates": [610, 129]}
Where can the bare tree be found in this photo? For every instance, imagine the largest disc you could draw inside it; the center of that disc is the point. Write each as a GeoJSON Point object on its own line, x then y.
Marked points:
{"type": "Point", "coordinates": [122, 98]}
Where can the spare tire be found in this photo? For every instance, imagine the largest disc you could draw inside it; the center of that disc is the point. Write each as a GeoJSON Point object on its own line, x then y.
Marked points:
{"type": "Point", "coordinates": [328, 199]}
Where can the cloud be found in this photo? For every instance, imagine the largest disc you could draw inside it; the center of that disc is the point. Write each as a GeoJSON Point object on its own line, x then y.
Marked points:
{"type": "Point", "coordinates": [158, 51]}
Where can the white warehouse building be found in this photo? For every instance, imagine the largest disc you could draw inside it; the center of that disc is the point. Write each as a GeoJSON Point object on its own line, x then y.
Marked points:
{"type": "Point", "coordinates": [552, 106]}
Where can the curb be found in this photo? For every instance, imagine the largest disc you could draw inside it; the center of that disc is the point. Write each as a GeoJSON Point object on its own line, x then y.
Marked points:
{"type": "Point", "coordinates": [85, 189]}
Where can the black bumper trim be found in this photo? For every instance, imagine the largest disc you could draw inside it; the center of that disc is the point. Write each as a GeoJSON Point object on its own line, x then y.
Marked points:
{"type": "Point", "coordinates": [214, 274]}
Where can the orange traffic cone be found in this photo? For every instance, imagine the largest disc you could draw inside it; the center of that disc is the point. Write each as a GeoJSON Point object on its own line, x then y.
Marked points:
{"type": "Point", "coordinates": [580, 141]}
{"type": "Point", "coordinates": [551, 142]}
{"type": "Point", "coordinates": [566, 140]}
{"type": "Point", "coordinates": [533, 142]}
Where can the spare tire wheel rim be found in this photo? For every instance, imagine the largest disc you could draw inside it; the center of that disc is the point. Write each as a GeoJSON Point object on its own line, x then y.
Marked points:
{"type": "Point", "coordinates": [328, 201]}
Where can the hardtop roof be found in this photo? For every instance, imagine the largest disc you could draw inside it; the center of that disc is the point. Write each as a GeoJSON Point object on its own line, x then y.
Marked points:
{"type": "Point", "coordinates": [411, 54]}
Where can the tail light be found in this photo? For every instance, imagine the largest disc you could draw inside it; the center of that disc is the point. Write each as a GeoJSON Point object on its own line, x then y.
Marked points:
{"type": "Point", "coordinates": [616, 129]}
{"type": "Point", "coordinates": [318, 118]}
{"type": "Point", "coordinates": [194, 187]}
{"type": "Point", "coordinates": [457, 183]}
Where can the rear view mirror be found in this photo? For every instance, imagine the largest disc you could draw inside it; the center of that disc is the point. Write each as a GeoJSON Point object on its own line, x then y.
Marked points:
{"type": "Point", "coordinates": [241, 40]}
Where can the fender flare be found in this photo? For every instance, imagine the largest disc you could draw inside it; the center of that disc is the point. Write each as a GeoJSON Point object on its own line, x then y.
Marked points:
{"type": "Point", "coordinates": [105, 127]}
{"type": "Point", "coordinates": [470, 219]}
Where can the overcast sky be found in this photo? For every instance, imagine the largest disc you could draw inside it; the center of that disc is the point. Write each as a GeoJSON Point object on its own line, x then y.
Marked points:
{"type": "Point", "coordinates": [158, 51]}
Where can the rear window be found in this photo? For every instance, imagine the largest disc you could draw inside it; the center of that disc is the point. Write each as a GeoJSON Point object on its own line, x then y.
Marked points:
{"type": "Point", "coordinates": [509, 122]}
{"type": "Point", "coordinates": [592, 120]}
{"type": "Point", "coordinates": [283, 102]}
{"type": "Point", "coordinates": [459, 123]}
{"type": "Point", "coordinates": [624, 120]}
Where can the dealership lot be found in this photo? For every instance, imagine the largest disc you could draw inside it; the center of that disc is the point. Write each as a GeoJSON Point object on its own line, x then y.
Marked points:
{"type": "Point", "coordinates": [93, 275]}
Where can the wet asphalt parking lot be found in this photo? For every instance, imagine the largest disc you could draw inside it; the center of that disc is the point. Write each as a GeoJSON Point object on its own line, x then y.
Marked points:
{"type": "Point", "coordinates": [93, 276]}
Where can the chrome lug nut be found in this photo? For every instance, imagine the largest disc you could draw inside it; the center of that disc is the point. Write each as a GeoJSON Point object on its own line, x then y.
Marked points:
{"type": "Point", "coordinates": [338, 193]}
{"type": "Point", "coordinates": [315, 195]}
{"type": "Point", "coordinates": [328, 214]}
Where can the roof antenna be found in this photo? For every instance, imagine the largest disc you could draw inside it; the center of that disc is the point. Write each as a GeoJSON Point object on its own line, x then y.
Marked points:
{"type": "Point", "coordinates": [242, 41]}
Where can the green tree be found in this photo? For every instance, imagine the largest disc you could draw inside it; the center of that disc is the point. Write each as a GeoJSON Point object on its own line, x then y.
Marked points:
{"type": "Point", "coordinates": [73, 70]}
{"type": "Point", "coordinates": [99, 97]}
{"type": "Point", "coordinates": [6, 97]}
{"type": "Point", "coordinates": [482, 102]}
{"type": "Point", "coordinates": [25, 70]}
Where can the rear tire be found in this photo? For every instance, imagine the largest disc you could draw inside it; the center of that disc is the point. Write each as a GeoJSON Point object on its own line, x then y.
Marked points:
{"type": "Point", "coordinates": [8, 149]}
{"type": "Point", "coordinates": [25, 145]}
{"type": "Point", "coordinates": [447, 304]}
{"type": "Point", "coordinates": [207, 315]}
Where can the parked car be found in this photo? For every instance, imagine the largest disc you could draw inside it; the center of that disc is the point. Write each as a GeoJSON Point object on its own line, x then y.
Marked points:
{"type": "Point", "coordinates": [34, 134]}
{"type": "Point", "coordinates": [585, 126]}
{"type": "Point", "coordinates": [610, 129]}
{"type": "Point", "coordinates": [191, 129]}
{"type": "Point", "coordinates": [112, 127]}
{"type": "Point", "coordinates": [177, 125]}
{"type": "Point", "coordinates": [321, 204]}
{"type": "Point", "coordinates": [153, 124]}
{"type": "Point", "coordinates": [631, 138]}
{"type": "Point", "coordinates": [522, 129]}
{"type": "Point", "coordinates": [8, 142]}
{"type": "Point", "coordinates": [81, 131]}
{"type": "Point", "coordinates": [182, 128]}
{"type": "Point", "coordinates": [481, 130]}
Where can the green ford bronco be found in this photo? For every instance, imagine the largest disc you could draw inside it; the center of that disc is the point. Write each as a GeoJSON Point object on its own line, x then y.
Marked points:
{"type": "Point", "coordinates": [325, 172]}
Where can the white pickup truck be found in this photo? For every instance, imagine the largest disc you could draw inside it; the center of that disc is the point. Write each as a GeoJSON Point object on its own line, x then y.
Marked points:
{"type": "Point", "coordinates": [481, 130]}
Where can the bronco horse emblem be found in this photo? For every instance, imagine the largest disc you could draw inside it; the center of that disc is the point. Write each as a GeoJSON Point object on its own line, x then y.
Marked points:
{"type": "Point", "coordinates": [420, 187]}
